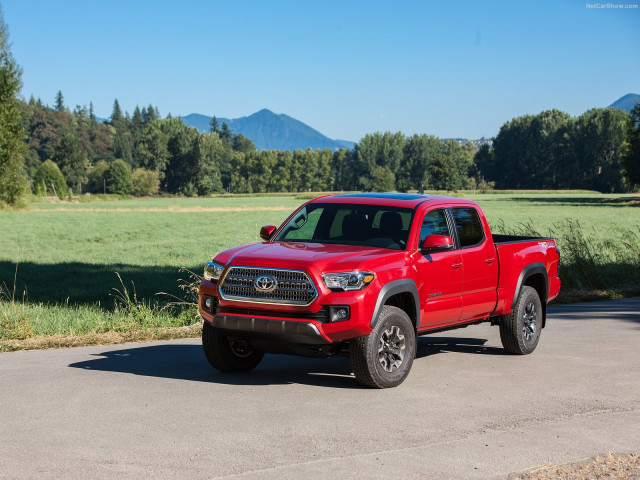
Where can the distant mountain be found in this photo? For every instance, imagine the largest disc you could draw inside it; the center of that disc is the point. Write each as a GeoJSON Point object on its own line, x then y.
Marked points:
{"type": "Point", "coordinates": [270, 131]}
{"type": "Point", "coordinates": [627, 102]}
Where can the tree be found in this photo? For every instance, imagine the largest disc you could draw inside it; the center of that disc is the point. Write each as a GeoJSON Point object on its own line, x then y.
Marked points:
{"type": "Point", "coordinates": [632, 159]}
{"type": "Point", "coordinates": [485, 164]}
{"type": "Point", "coordinates": [136, 121]}
{"type": "Point", "coordinates": [600, 144]}
{"type": "Point", "coordinates": [378, 149]}
{"type": "Point", "coordinates": [183, 166]}
{"type": "Point", "coordinates": [151, 149]}
{"type": "Point", "coordinates": [242, 144]}
{"type": "Point", "coordinates": [116, 114]}
{"type": "Point", "coordinates": [150, 114]}
{"type": "Point", "coordinates": [118, 178]}
{"type": "Point", "coordinates": [59, 101]}
{"type": "Point", "coordinates": [73, 161]}
{"type": "Point", "coordinates": [342, 170]}
{"type": "Point", "coordinates": [122, 147]}
{"type": "Point", "coordinates": [418, 152]}
{"type": "Point", "coordinates": [462, 158]}
{"type": "Point", "coordinates": [210, 153]}
{"type": "Point", "coordinates": [214, 125]}
{"type": "Point", "coordinates": [12, 134]}
{"type": "Point", "coordinates": [382, 179]}
{"type": "Point", "coordinates": [49, 178]}
{"type": "Point", "coordinates": [444, 173]}
{"type": "Point", "coordinates": [92, 114]}
{"type": "Point", "coordinates": [226, 135]}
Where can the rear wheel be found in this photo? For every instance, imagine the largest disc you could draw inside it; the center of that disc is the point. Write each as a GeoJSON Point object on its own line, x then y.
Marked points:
{"type": "Point", "coordinates": [520, 330]}
{"type": "Point", "coordinates": [228, 353]}
{"type": "Point", "coordinates": [383, 358]}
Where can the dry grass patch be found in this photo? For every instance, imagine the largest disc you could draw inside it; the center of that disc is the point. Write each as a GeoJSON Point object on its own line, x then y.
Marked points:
{"type": "Point", "coordinates": [610, 466]}
{"type": "Point", "coordinates": [106, 338]}
{"type": "Point", "coordinates": [170, 208]}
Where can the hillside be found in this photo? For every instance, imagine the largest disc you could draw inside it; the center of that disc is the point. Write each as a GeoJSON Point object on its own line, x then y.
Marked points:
{"type": "Point", "coordinates": [270, 131]}
{"type": "Point", "coordinates": [627, 102]}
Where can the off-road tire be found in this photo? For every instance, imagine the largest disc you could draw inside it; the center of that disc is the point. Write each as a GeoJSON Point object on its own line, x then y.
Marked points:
{"type": "Point", "coordinates": [383, 358]}
{"type": "Point", "coordinates": [228, 353]}
{"type": "Point", "coordinates": [520, 330]}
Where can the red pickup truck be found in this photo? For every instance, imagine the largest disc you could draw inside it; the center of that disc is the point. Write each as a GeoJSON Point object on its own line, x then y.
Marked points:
{"type": "Point", "coordinates": [364, 274]}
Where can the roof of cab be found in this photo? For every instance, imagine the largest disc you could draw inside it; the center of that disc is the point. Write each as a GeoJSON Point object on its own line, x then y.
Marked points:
{"type": "Point", "coordinates": [393, 199]}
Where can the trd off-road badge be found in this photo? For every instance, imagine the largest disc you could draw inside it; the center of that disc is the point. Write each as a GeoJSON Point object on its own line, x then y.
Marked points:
{"type": "Point", "coordinates": [265, 283]}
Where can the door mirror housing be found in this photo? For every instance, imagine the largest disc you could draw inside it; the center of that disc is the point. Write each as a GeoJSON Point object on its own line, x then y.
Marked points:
{"type": "Point", "coordinates": [266, 232]}
{"type": "Point", "coordinates": [437, 243]}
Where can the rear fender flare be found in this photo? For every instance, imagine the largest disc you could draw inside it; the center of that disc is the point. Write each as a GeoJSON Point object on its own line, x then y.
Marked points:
{"type": "Point", "coordinates": [393, 288]}
{"type": "Point", "coordinates": [526, 272]}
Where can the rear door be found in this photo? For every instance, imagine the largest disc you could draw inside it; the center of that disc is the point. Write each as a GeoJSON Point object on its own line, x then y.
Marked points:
{"type": "Point", "coordinates": [439, 274]}
{"type": "Point", "coordinates": [480, 264]}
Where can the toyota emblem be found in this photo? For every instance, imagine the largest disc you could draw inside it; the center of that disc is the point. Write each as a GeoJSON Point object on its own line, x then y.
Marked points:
{"type": "Point", "coordinates": [265, 283]}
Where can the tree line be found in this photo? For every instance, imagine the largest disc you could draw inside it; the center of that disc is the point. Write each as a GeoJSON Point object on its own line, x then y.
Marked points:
{"type": "Point", "coordinates": [73, 152]}
{"type": "Point", "coordinates": [597, 150]}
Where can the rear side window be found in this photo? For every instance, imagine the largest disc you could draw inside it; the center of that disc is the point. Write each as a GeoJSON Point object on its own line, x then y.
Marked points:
{"type": "Point", "coordinates": [469, 226]}
{"type": "Point", "coordinates": [434, 223]}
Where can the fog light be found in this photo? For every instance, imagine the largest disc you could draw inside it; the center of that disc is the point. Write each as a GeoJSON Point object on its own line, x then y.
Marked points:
{"type": "Point", "coordinates": [208, 303]}
{"type": "Point", "coordinates": [338, 313]}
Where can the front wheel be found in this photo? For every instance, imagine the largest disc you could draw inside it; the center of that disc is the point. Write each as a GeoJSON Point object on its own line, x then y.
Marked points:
{"type": "Point", "coordinates": [228, 353]}
{"type": "Point", "coordinates": [520, 330]}
{"type": "Point", "coordinates": [383, 358]}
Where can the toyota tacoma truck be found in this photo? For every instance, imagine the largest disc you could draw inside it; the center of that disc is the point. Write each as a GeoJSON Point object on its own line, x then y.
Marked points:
{"type": "Point", "coordinates": [364, 275]}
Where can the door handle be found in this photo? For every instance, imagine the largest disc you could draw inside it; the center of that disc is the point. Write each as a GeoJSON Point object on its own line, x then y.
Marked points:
{"type": "Point", "coordinates": [456, 265]}
{"type": "Point", "coordinates": [490, 260]}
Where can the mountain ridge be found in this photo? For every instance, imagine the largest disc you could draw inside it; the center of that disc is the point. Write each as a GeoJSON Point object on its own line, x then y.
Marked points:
{"type": "Point", "coordinates": [626, 102]}
{"type": "Point", "coordinates": [271, 131]}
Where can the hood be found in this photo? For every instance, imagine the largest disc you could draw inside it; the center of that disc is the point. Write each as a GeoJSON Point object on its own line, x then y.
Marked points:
{"type": "Point", "coordinates": [307, 256]}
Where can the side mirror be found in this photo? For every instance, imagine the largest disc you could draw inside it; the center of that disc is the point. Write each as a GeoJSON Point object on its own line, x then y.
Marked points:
{"type": "Point", "coordinates": [436, 243]}
{"type": "Point", "coordinates": [266, 232]}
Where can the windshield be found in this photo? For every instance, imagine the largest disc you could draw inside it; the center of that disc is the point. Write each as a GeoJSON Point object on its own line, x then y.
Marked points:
{"type": "Point", "coordinates": [347, 224]}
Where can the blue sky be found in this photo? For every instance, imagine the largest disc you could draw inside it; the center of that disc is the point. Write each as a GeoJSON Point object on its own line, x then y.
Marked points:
{"type": "Point", "coordinates": [347, 68]}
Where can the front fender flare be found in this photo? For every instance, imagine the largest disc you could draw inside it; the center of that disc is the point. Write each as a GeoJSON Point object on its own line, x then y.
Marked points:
{"type": "Point", "coordinates": [393, 288]}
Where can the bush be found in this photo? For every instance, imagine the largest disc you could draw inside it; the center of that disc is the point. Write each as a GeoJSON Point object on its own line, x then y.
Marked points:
{"type": "Point", "coordinates": [118, 178]}
{"type": "Point", "coordinates": [48, 175]}
{"type": "Point", "coordinates": [145, 182]}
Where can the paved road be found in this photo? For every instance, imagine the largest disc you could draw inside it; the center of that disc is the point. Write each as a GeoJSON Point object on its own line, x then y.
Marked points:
{"type": "Point", "coordinates": [157, 410]}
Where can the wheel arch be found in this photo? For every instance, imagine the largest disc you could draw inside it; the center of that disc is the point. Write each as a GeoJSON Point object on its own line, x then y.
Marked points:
{"type": "Point", "coordinates": [402, 294]}
{"type": "Point", "coordinates": [535, 276]}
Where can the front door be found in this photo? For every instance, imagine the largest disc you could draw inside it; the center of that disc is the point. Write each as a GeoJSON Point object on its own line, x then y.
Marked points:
{"type": "Point", "coordinates": [439, 274]}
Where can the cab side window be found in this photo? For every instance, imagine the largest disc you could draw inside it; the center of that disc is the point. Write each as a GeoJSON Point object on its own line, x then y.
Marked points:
{"type": "Point", "coordinates": [469, 226]}
{"type": "Point", "coordinates": [434, 223]}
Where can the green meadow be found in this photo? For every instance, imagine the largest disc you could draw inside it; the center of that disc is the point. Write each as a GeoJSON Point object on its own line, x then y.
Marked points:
{"type": "Point", "coordinates": [77, 268]}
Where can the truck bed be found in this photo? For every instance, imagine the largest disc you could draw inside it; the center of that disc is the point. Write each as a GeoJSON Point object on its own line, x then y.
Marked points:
{"type": "Point", "coordinates": [503, 238]}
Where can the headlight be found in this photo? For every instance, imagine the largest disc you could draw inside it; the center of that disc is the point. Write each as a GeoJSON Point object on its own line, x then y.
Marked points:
{"type": "Point", "coordinates": [212, 271]}
{"type": "Point", "coordinates": [348, 280]}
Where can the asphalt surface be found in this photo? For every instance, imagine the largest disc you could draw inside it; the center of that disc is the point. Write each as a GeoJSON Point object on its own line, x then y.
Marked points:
{"type": "Point", "coordinates": [467, 410]}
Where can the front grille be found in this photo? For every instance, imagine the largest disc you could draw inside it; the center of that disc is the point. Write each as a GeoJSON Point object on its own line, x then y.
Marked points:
{"type": "Point", "coordinates": [294, 287]}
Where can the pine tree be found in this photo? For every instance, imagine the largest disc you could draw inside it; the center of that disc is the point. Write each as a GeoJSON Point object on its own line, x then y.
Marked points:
{"type": "Point", "coordinates": [116, 115]}
{"type": "Point", "coordinates": [214, 125]}
{"type": "Point", "coordinates": [12, 145]}
{"type": "Point", "coordinates": [59, 101]}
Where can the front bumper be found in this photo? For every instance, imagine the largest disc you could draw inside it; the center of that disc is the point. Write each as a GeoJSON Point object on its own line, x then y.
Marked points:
{"type": "Point", "coordinates": [286, 331]}
{"type": "Point", "coordinates": [290, 323]}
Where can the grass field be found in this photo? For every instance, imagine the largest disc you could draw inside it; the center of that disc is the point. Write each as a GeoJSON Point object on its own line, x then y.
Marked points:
{"type": "Point", "coordinates": [95, 267]}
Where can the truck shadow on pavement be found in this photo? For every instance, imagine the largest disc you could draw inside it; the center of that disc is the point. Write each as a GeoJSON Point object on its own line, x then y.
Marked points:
{"type": "Point", "coordinates": [430, 345]}
{"type": "Point", "coordinates": [187, 362]}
